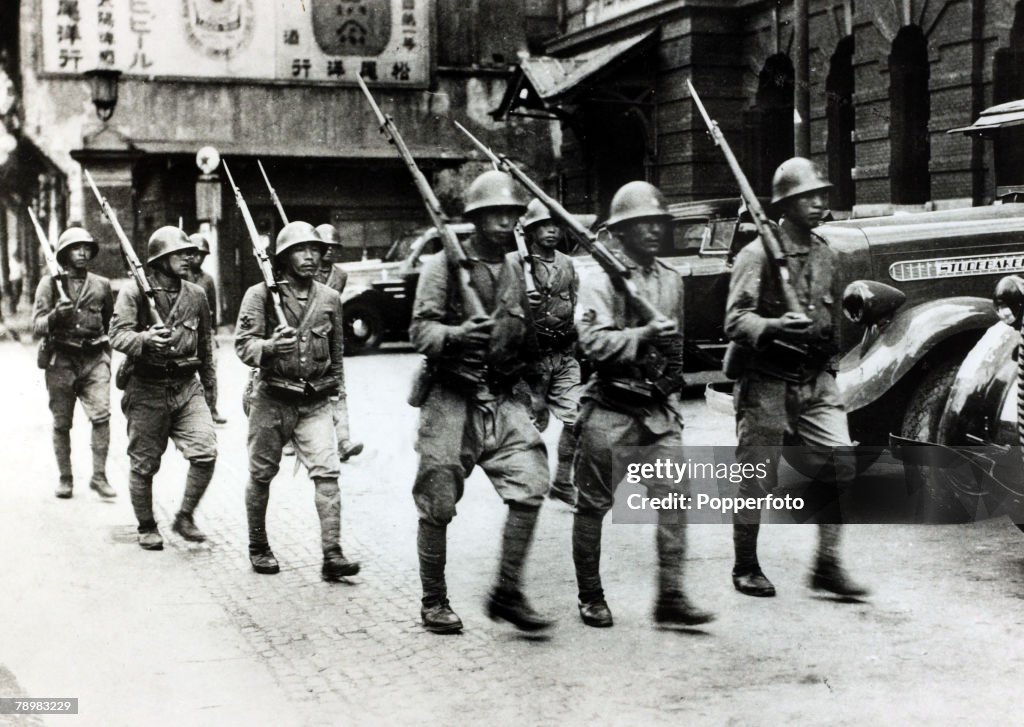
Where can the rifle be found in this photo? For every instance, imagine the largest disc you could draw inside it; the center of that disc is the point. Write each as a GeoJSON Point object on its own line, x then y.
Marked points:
{"type": "Point", "coordinates": [734, 360]}
{"type": "Point", "coordinates": [614, 267]}
{"type": "Point", "coordinates": [135, 266]}
{"type": "Point", "coordinates": [273, 193]}
{"type": "Point", "coordinates": [453, 250]}
{"type": "Point", "coordinates": [259, 249]}
{"type": "Point", "coordinates": [56, 271]}
{"type": "Point", "coordinates": [527, 259]}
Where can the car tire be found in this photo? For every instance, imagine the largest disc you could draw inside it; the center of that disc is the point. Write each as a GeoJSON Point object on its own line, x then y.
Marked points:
{"type": "Point", "coordinates": [364, 328]}
{"type": "Point", "coordinates": [940, 496]}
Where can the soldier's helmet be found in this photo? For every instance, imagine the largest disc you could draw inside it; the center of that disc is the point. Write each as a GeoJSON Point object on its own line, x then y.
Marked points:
{"type": "Point", "coordinates": [296, 233]}
{"type": "Point", "coordinates": [73, 236]}
{"type": "Point", "coordinates": [329, 234]}
{"type": "Point", "coordinates": [636, 200]}
{"type": "Point", "coordinates": [797, 176]}
{"type": "Point", "coordinates": [199, 240]}
{"type": "Point", "coordinates": [536, 213]}
{"type": "Point", "coordinates": [493, 189]}
{"type": "Point", "coordinates": [166, 241]}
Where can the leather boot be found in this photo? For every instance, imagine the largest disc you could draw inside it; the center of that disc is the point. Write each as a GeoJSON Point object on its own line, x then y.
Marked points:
{"type": "Point", "coordinates": [586, 557]}
{"type": "Point", "coordinates": [432, 548]}
{"type": "Point", "coordinates": [62, 451]}
{"type": "Point", "coordinates": [328, 507]}
{"type": "Point", "coordinates": [196, 482]}
{"type": "Point", "coordinates": [746, 573]}
{"type": "Point", "coordinates": [828, 574]}
{"type": "Point", "coordinates": [140, 488]}
{"type": "Point", "coordinates": [672, 606]}
{"type": "Point", "coordinates": [257, 495]}
{"type": "Point", "coordinates": [346, 447]}
{"type": "Point", "coordinates": [100, 447]}
{"type": "Point", "coordinates": [506, 600]}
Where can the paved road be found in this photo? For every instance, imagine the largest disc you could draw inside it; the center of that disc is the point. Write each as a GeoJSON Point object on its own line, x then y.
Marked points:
{"type": "Point", "coordinates": [191, 635]}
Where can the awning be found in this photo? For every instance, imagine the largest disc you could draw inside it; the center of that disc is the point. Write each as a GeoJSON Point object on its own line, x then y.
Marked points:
{"type": "Point", "coordinates": [540, 83]}
{"type": "Point", "coordinates": [994, 118]}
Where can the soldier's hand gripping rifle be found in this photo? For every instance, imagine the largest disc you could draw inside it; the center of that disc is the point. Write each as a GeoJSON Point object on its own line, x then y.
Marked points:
{"type": "Point", "coordinates": [56, 271]}
{"type": "Point", "coordinates": [614, 267]}
{"type": "Point", "coordinates": [259, 249]}
{"type": "Point", "coordinates": [453, 250]}
{"type": "Point", "coordinates": [524, 253]}
{"type": "Point", "coordinates": [734, 360]}
{"type": "Point", "coordinates": [135, 267]}
{"type": "Point", "coordinates": [273, 193]}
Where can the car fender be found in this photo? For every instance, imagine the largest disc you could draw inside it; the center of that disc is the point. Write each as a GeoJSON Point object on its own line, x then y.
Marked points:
{"type": "Point", "coordinates": [979, 393]}
{"type": "Point", "coordinates": [351, 292]}
{"type": "Point", "coordinates": [886, 353]}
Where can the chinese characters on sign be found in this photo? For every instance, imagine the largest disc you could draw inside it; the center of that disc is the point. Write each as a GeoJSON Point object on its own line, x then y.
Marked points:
{"type": "Point", "coordinates": [328, 41]}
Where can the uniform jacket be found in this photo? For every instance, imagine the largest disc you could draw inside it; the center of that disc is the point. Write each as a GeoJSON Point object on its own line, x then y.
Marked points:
{"type": "Point", "coordinates": [319, 326]}
{"type": "Point", "coordinates": [94, 305]}
{"type": "Point", "coordinates": [755, 294]}
{"type": "Point", "coordinates": [186, 315]}
{"type": "Point", "coordinates": [205, 281]}
{"type": "Point", "coordinates": [558, 284]}
{"type": "Point", "coordinates": [334, 278]}
{"type": "Point", "coordinates": [438, 308]}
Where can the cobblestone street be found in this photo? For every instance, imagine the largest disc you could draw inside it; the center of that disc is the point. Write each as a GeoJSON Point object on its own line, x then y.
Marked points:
{"type": "Point", "coordinates": [88, 614]}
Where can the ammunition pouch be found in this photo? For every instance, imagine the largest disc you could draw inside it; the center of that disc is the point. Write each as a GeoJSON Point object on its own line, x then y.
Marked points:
{"type": "Point", "coordinates": [124, 373]}
{"type": "Point", "coordinates": [300, 391]}
{"type": "Point", "coordinates": [793, 362]}
{"type": "Point", "coordinates": [173, 369]}
{"type": "Point", "coordinates": [551, 340]}
{"type": "Point", "coordinates": [78, 345]}
{"type": "Point", "coordinates": [44, 354]}
{"type": "Point", "coordinates": [657, 374]}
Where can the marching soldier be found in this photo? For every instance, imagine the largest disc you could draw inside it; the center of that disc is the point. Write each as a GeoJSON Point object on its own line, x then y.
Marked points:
{"type": "Point", "coordinates": [162, 398]}
{"type": "Point", "coordinates": [780, 391]}
{"type": "Point", "coordinates": [300, 364]}
{"type": "Point", "coordinates": [469, 416]}
{"type": "Point", "coordinates": [334, 276]}
{"type": "Point", "coordinates": [205, 281]}
{"type": "Point", "coordinates": [629, 402]}
{"type": "Point", "coordinates": [76, 355]}
{"type": "Point", "coordinates": [555, 379]}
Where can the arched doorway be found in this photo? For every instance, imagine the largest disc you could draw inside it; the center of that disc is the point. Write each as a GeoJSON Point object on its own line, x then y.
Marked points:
{"type": "Point", "coordinates": [769, 124]}
{"type": "Point", "coordinates": [910, 109]}
{"type": "Point", "coordinates": [839, 113]}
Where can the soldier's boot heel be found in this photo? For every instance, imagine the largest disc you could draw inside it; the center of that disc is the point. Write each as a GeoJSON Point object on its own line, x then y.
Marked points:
{"type": "Point", "coordinates": [674, 609]}
{"type": "Point", "coordinates": [185, 526]}
{"type": "Point", "coordinates": [65, 488]}
{"type": "Point", "coordinates": [831, 577]}
{"type": "Point", "coordinates": [149, 537]}
{"type": "Point", "coordinates": [439, 618]}
{"type": "Point", "coordinates": [337, 566]}
{"type": "Point", "coordinates": [513, 607]}
{"type": "Point", "coordinates": [262, 559]}
{"type": "Point", "coordinates": [595, 612]}
{"type": "Point", "coordinates": [753, 583]}
{"type": "Point", "coordinates": [99, 484]}
{"type": "Point", "coordinates": [349, 449]}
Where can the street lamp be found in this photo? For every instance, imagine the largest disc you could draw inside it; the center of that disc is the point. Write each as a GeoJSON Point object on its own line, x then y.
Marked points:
{"type": "Point", "coordinates": [103, 84]}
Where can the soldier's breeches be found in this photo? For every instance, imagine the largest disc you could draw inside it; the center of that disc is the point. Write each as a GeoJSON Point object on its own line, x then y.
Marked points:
{"type": "Point", "coordinates": [140, 487]}
{"type": "Point", "coordinates": [273, 422]}
{"type": "Point", "coordinates": [454, 436]}
{"type": "Point", "coordinates": [157, 412]}
{"type": "Point", "coordinates": [100, 447]}
{"type": "Point", "coordinates": [71, 378]}
{"type": "Point", "coordinates": [257, 496]}
{"type": "Point", "coordinates": [586, 554]}
{"type": "Point", "coordinates": [328, 506]}
{"type": "Point", "coordinates": [198, 479]}
{"type": "Point", "coordinates": [561, 386]}
{"type": "Point", "coordinates": [62, 451]}
{"type": "Point", "coordinates": [515, 544]}
{"type": "Point", "coordinates": [432, 549]}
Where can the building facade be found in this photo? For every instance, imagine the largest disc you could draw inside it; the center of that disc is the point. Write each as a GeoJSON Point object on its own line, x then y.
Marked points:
{"type": "Point", "coordinates": [274, 83]}
{"type": "Point", "coordinates": [886, 79]}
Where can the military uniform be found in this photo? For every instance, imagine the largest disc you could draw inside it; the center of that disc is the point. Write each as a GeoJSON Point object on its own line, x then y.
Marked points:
{"type": "Point", "coordinates": [162, 398]}
{"type": "Point", "coordinates": [291, 402]}
{"type": "Point", "coordinates": [77, 363]}
{"type": "Point", "coordinates": [335, 277]}
{"type": "Point", "coordinates": [470, 417]}
{"type": "Point", "coordinates": [205, 281]}
{"type": "Point", "coordinates": [785, 390]}
{"type": "Point", "coordinates": [554, 375]}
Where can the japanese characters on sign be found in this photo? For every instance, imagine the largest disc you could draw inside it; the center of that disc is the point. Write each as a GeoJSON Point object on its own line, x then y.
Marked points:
{"type": "Point", "coordinates": [387, 41]}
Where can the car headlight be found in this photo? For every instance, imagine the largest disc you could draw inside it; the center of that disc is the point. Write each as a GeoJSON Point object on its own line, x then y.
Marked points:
{"type": "Point", "coordinates": [868, 302]}
{"type": "Point", "coordinates": [1009, 300]}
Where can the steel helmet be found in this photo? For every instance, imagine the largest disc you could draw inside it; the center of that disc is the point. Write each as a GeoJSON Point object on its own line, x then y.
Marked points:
{"type": "Point", "coordinates": [296, 233]}
{"type": "Point", "coordinates": [329, 234]}
{"type": "Point", "coordinates": [493, 189]}
{"type": "Point", "coordinates": [797, 176]}
{"type": "Point", "coordinates": [199, 240]}
{"type": "Point", "coordinates": [166, 241]}
{"type": "Point", "coordinates": [73, 236]}
{"type": "Point", "coordinates": [635, 200]}
{"type": "Point", "coordinates": [536, 212]}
